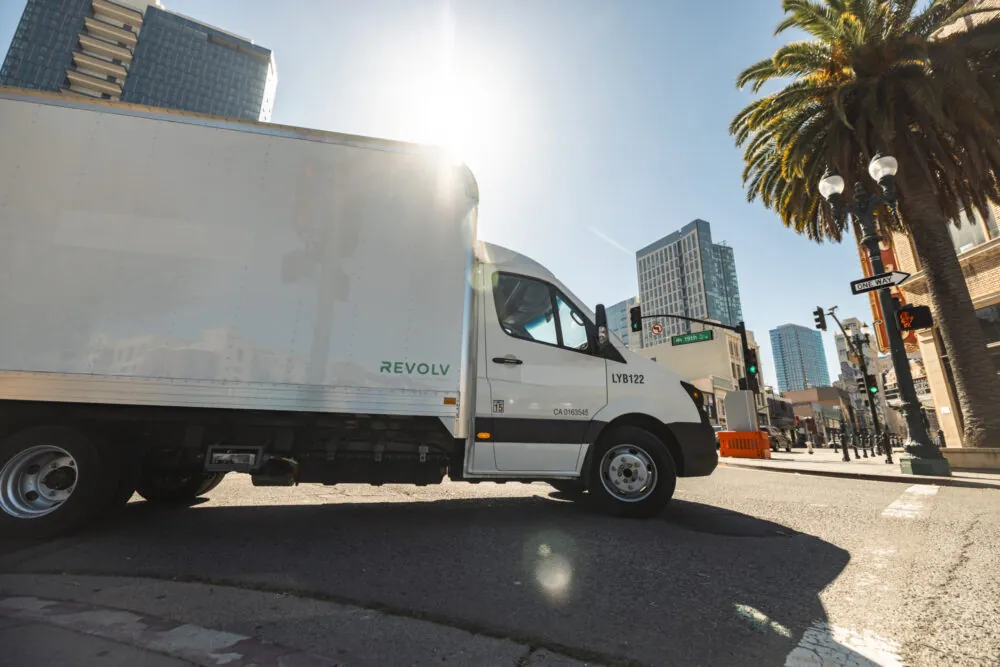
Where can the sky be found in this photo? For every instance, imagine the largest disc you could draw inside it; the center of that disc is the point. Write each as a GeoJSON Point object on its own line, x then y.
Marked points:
{"type": "Point", "coordinates": [593, 128]}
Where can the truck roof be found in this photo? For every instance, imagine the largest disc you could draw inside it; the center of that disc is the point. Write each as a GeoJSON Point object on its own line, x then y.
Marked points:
{"type": "Point", "coordinates": [75, 100]}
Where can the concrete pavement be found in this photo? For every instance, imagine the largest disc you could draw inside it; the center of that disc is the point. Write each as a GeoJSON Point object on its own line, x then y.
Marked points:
{"type": "Point", "coordinates": [743, 569]}
{"type": "Point", "coordinates": [155, 622]}
{"type": "Point", "coordinates": [828, 463]}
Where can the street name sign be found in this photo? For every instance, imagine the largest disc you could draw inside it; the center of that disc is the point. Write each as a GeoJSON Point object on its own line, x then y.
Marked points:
{"type": "Point", "coordinates": [696, 337]}
{"type": "Point", "coordinates": [889, 279]}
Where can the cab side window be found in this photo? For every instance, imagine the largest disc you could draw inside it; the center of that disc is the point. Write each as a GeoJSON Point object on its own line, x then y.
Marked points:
{"type": "Point", "coordinates": [572, 325]}
{"type": "Point", "coordinates": [534, 310]}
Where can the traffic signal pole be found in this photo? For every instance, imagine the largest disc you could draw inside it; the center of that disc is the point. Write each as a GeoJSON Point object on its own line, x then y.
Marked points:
{"type": "Point", "coordinates": [636, 316]}
{"type": "Point", "coordinates": [864, 373]}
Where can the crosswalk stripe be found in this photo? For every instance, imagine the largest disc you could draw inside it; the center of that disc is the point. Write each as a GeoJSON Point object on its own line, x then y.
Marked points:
{"type": "Point", "coordinates": [914, 503]}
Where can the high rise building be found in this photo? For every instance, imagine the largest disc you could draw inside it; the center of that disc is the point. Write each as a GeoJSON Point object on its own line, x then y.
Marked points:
{"type": "Point", "coordinates": [799, 360]}
{"type": "Point", "coordinates": [618, 322]}
{"type": "Point", "coordinates": [136, 51]}
{"type": "Point", "coordinates": [684, 273]}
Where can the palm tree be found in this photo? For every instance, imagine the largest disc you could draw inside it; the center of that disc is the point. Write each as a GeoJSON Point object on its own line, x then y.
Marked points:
{"type": "Point", "coordinates": [879, 75]}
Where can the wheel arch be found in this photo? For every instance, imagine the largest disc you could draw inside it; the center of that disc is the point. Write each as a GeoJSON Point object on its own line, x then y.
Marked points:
{"type": "Point", "coordinates": [640, 420]}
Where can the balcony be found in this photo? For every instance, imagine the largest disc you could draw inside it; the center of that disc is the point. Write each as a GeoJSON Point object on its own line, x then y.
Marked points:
{"type": "Point", "coordinates": [98, 66]}
{"type": "Point", "coordinates": [110, 32]}
{"type": "Point", "coordinates": [103, 48]}
{"type": "Point", "coordinates": [89, 82]}
{"type": "Point", "coordinates": [117, 13]}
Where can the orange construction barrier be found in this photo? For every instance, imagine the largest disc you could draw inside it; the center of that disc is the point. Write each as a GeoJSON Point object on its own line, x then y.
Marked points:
{"type": "Point", "coordinates": [744, 444]}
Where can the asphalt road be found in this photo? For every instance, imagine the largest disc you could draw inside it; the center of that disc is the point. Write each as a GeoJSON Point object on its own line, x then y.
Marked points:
{"type": "Point", "coordinates": [745, 568]}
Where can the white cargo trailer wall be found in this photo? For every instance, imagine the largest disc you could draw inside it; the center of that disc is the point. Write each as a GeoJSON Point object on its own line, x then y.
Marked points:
{"type": "Point", "coordinates": [173, 261]}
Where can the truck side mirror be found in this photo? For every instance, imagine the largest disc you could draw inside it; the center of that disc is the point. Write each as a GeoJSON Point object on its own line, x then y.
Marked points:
{"type": "Point", "coordinates": [601, 317]}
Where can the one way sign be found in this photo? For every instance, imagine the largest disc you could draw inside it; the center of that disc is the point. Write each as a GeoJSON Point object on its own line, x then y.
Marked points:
{"type": "Point", "coordinates": [878, 282]}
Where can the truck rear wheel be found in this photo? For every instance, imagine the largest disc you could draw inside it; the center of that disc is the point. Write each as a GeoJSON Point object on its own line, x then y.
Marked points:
{"type": "Point", "coordinates": [632, 473]}
{"type": "Point", "coordinates": [172, 487]}
{"type": "Point", "coordinates": [53, 480]}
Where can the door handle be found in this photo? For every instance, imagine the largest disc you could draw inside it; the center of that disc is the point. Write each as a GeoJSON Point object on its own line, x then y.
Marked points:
{"type": "Point", "coordinates": [510, 361]}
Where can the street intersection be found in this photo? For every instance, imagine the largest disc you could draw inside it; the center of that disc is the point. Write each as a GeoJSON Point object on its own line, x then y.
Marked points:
{"type": "Point", "coordinates": [746, 567]}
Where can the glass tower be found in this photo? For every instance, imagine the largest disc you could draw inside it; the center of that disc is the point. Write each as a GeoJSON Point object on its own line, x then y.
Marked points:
{"type": "Point", "coordinates": [684, 273]}
{"type": "Point", "coordinates": [799, 360]}
{"type": "Point", "coordinates": [135, 51]}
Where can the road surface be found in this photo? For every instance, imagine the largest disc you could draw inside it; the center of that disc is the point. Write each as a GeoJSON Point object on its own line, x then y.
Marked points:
{"type": "Point", "coordinates": [745, 568]}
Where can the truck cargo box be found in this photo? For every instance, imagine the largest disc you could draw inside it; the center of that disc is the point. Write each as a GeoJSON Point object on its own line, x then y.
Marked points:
{"type": "Point", "coordinates": [159, 258]}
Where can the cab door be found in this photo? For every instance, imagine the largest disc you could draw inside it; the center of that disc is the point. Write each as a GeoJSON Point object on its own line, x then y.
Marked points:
{"type": "Point", "coordinates": [545, 376]}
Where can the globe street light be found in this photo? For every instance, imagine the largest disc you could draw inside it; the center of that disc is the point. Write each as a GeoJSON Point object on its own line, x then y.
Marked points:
{"type": "Point", "coordinates": [883, 170]}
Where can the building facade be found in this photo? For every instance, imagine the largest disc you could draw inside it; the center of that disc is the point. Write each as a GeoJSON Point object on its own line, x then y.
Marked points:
{"type": "Point", "coordinates": [685, 273]}
{"type": "Point", "coordinates": [820, 414]}
{"type": "Point", "coordinates": [619, 324]}
{"type": "Point", "coordinates": [799, 360]}
{"type": "Point", "coordinates": [136, 51]}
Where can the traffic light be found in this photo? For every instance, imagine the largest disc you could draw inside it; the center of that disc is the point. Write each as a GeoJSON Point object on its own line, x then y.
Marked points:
{"type": "Point", "coordinates": [635, 317]}
{"type": "Point", "coordinates": [871, 384]}
{"type": "Point", "coordinates": [910, 318]}
{"type": "Point", "coordinates": [751, 362]}
{"type": "Point", "coordinates": [820, 318]}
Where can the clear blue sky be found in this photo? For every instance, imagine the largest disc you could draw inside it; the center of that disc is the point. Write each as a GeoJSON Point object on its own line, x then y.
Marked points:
{"type": "Point", "coordinates": [593, 127]}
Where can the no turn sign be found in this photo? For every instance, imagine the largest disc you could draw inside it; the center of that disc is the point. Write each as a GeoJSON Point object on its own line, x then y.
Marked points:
{"type": "Point", "coordinates": [656, 329]}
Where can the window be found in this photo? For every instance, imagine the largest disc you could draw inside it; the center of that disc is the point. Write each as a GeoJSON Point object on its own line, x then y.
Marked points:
{"type": "Point", "coordinates": [536, 311]}
{"type": "Point", "coordinates": [573, 325]}
{"type": "Point", "coordinates": [972, 232]}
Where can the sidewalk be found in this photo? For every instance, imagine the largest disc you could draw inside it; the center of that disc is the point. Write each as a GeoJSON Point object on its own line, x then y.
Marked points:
{"type": "Point", "coordinates": [827, 463]}
{"type": "Point", "coordinates": [99, 621]}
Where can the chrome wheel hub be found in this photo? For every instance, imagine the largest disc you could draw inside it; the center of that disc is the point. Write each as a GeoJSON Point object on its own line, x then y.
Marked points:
{"type": "Point", "coordinates": [628, 473]}
{"type": "Point", "coordinates": [37, 481]}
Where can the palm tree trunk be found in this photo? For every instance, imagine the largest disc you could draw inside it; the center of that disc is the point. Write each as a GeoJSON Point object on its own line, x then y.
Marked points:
{"type": "Point", "coordinates": [977, 385]}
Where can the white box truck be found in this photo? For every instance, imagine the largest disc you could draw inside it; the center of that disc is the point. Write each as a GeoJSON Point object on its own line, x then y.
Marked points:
{"type": "Point", "coordinates": [183, 296]}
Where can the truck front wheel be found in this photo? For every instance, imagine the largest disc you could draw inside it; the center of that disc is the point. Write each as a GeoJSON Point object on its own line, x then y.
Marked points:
{"type": "Point", "coordinates": [175, 487]}
{"type": "Point", "coordinates": [53, 479]}
{"type": "Point", "coordinates": [632, 473]}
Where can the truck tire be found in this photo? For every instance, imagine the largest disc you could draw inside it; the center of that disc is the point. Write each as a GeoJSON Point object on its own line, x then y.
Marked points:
{"type": "Point", "coordinates": [53, 480]}
{"type": "Point", "coordinates": [173, 488]}
{"type": "Point", "coordinates": [632, 473]}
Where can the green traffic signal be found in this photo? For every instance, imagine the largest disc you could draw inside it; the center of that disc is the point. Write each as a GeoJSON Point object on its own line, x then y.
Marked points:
{"type": "Point", "coordinates": [752, 369]}
{"type": "Point", "coordinates": [635, 317]}
{"type": "Point", "coordinates": [873, 390]}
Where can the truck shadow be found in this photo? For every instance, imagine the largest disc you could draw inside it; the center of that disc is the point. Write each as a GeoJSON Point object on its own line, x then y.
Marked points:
{"type": "Point", "coordinates": [698, 585]}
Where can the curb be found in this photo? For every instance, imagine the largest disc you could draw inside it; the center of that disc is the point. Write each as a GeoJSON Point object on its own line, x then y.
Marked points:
{"type": "Point", "coordinates": [873, 477]}
{"type": "Point", "coordinates": [192, 643]}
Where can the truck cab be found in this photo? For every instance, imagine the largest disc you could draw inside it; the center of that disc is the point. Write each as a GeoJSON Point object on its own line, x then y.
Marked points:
{"type": "Point", "coordinates": [558, 398]}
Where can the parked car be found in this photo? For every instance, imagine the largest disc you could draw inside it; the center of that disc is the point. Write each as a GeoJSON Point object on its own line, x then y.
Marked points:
{"type": "Point", "coordinates": [777, 439]}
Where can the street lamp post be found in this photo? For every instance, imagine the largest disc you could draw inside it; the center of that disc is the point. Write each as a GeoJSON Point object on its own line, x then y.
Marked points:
{"type": "Point", "coordinates": [883, 171]}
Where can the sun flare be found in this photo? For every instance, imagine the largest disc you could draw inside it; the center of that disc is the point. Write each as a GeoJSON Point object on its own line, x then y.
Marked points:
{"type": "Point", "coordinates": [452, 103]}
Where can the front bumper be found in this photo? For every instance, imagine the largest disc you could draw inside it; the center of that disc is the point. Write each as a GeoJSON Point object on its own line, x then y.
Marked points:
{"type": "Point", "coordinates": [697, 443]}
